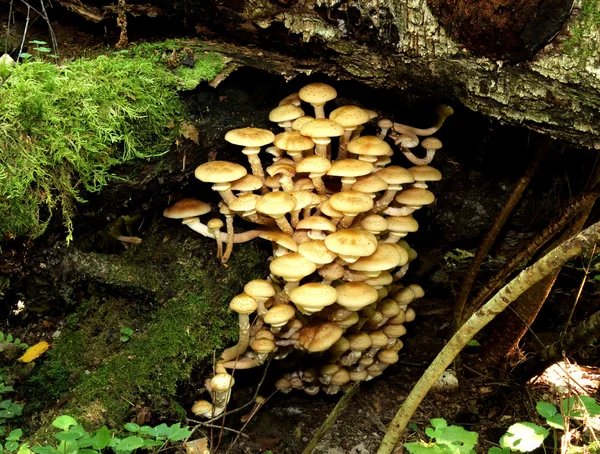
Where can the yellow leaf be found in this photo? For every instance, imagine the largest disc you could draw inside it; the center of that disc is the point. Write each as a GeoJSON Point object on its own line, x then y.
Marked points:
{"type": "Point", "coordinates": [34, 352]}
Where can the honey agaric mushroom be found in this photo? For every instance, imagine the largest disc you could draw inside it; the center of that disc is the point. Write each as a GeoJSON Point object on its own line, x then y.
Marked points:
{"type": "Point", "coordinates": [203, 408]}
{"type": "Point", "coordinates": [284, 243]}
{"type": "Point", "coordinates": [291, 267]}
{"type": "Point", "coordinates": [384, 258]}
{"type": "Point", "coordinates": [340, 378]}
{"type": "Point", "coordinates": [186, 209]}
{"type": "Point", "coordinates": [278, 316]}
{"type": "Point", "coordinates": [351, 203]}
{"type": "Point", "coordinates": [291, 99]}
{"type": "Point", "coordinates": [355, 295]}
{"type": "Point", "coordinates": [370, 184]}
{"type": "Point", "coordinates": [261, 290]}
{"type": "Point", "coordinates": [228, 213]}
{"type": "Point", "coordinates": [222, 174]}
{"type": "Point", "coordinates": [244, 305]}
{"type": "Point", "coordinates": [443, 111]}
{"type": "Point", "coordinates": [431, 145]}
{"type": "Point", "coordinates": [284, 115]}
{"type": "Point", "coordinates": [214, 227]}
{"type": "Point", "coordinates": [331, 272]}
{"type": "Point", "coordinates": [300, 122]}
{"type": "Point", "coordinates": [350, 117]}
{"type": "Point", "coordinates": [351, 244]}
{"type": "Point", "coordinates": [220, 386]}
{"type": "Point", "coordinates": [412, 199]}
{"type": "Point", "coordinates": [311, 298]}
{"type": "Point", "coordinates": [321, 130]}
{"type": "Point", "coordinates": [349, 170]}
{"type": "Point", "coordinates": [294, 144]}
{"type": "Point", "coordinates": [423, 174]}
{"type": "Point", "coordinates": [316, 166]}
{"type": "Point", "coordinates": [399, 227]}
{"type": "Point", "coordinates": [277, 205]}
{"type": "Point", "coordinates": [369, 148]}
{"type": "Point", "coordinates": [316, 226]}
{"type": "Point", "coordinates": [247, 184]}
{"type": "Point", "coordinates": [251, 139]}
{"type": "Point", "coordinates": [385, 126]}
{"type": "Point", "coordinates": [374, 223]}
{"type": "Point", "coordinates": [303, 199]}
{"type": "Point", "coordinates": [395, 177]}
{"type": "Point", "coordinates": [317, 94]}
{"type": "Point", "coordinates": [319, 337]}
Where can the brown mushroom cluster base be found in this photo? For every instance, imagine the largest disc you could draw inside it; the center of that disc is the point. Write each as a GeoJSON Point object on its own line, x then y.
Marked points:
{"type": "Point", "coordinates": [336, 217]}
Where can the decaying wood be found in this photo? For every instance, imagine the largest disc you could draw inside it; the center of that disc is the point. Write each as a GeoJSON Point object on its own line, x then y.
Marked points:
{"type": "Point", "coordinates": [399, 44]}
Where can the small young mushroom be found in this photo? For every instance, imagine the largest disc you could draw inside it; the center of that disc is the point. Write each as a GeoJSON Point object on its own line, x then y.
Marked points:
{"type": "Point", "coordinates": [251, 139]}
{"type": "Point", "coordinates": [351, 244]}
{"type": "Point", "coordinates": [385, 126]}
{"type": "Point", "coordinates": [222, 174]}
{"type": "Point", "coordinates": [321, 130]}
{"type": "Point", "coordinates": [277, 205]}
{"type": "Point", "coordinates": [431, 145]}
{"type": "Point", "coordinates": [351, 203]}
{"type": "Point", "coordinates": [294, 144]}
{"type": "Point", "coordinates": [395, 177]}
{"type": "Point", "coordinates": [284, 115]}
{"type": "Point", "coordinates": [349, 170]}
{"type": "Point", "coordinates": [316, 252]}
{"type": "Point", "coordinates": [203, 408]}
{"type": "Point", "coordinates": [220, 386]}
{"type": "Point", "coordinates": [316, 166]}
{"type": "Point", "coordinates": [317, 94]}
{"type": "Point", "coordinates": [214, 227]}
{"type": "Point", "coordinates": [350, 117]}
{"type": "Point", "coordinates": [311, 298]}
{"type": "Point", "coordinates": [369, 148]}
{"type": "Point", "coordinates": [244, 305]}
{"type": "Point", "coordinates": [423, 174]}
{"type": "Point", "coordinates": [261, 290]}
{"type": "Point", "coordinates": [355, 295]}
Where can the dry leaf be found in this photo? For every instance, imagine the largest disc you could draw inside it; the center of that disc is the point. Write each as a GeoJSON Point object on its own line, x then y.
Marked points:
{"type": "Point", "coordinates": [189, 131]}
{"type": "Point", "coordinates": [34, 352]}
{"type": "Point", "coordinates": [199, 446]}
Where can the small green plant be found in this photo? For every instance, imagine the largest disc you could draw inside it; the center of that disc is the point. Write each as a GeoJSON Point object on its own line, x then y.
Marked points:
{"type": "Point", "coordinates": [445, 439]}
{"type": "Point", "coordinates": [9, 339]}
{"type": "Point", "coordinates": [126, 334]}
{"type": "Point", "coordinates": [73, 438]}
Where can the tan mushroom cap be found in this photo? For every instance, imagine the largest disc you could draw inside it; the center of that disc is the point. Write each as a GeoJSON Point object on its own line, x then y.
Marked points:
{"type": "Point", "coordinates": [369, 184]}
{"type": "Point", "coordinates": [425, 173]}
{"type": "Point", "coordinates": [417, 290]}
{"type": "Point", "coordinates": [248, 182]}
{"type": "Point", "coordinates": [374, 223]}
{"type": "Point", "coordinates": [313, 297]}
{"type": "Point", "coordinates": [341, 377]}
{"type": "Point", "coordinates": [318, 338]}
{"type": "Point", "coordinates": [292, 267]}
{"type": "Point", "coordinates": [222, 382]}
{"type": "Point", "coordinates": [359, 342]}
{"type": "Point", "coordinates": [328, 210]}
{"type": "Point", "coordinates": [349, 116]}
{"type": "Point", "coordinates": [264, 334]}
{"type": "Point", "coordinates": [279, 315]}
{"type": "Point", "coordinates": [402, 224]}
{"type": "Point", "coordinates": [259, 289]}
{"type": "Point", "coordinates": [322, 127]}
{"type": "Point", "coordinates": [383, 278]}
{"type": "Point", "coordinates": [303, 199]}
{"type": "Point", "coordinates": [316, 223]}
{"type": "Point", "coordinates": [350, 243]}
{"type": "Point", "coordinates": [317, 252]}
{"type": "Point", "coordinates": [186, 208]}
{"type": "Point", "coordinates": [246, 202]}
{"type": "Point", "coordinates": [202, 408]}
{"type": "Point", "coordinates": [350, 168]}
{"type": "Point", "coordinates": [293, 141]}
{"type": "Point", "coordinates": [317, 93]}
{"type": "Point", "coordinates": [378, 339]}
{"type": "Point", "coordinates": [351, 202]}
{"type": "Point", "coordinates": [431, 143]}
{"type": "Point", "coordinates": [243, 304]}
{"type": "Point", "coordinates": [276, 203]}
{"type": "Point", "coordinates": [388, 307]}
{"type": "Point", "coordinates": [356, 295]}
{"type": "Point", "coordinates": [314, 164]}
{"type": "Point", "coordinates": [415, 197]}
{"type": "Point", "coordinates": [369, 146]}
{"type": "Point", "coordinates": [215, 224]}
{"type": "Point", "coordinates": [219, 172]}
{"type": "Point", "coordinates": [282, 239]}
{"type": "Point", "coordinates": [331, 271]}
{"type": "Point", "coordinates": [291, 99]}
{"type": "Point", "coordinates": [329, 369]}
{"type": "Point", "coordinates": [396, 175]}
{"type": "Point", "coordinates": [385, 257]}
{"type": "Point", "coordinates": [285, 112]}
{"type": "Point", "coordinates": [263, 345]}
{"type": "Point", "coordinates": [404, 296]}
{"type": "Point", "coordinates": [250, 137]}
{"type": "Point", "coordinates": [300, 122]}
{"type": "Point", "coordinates": [387, 356]}
{"type": "Point", "coordinates": [394, 330]}
{"type": "Point", "coordinates": [358, 375]}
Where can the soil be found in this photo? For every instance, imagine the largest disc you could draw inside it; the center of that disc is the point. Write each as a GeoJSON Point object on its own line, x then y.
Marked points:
{"type": "Point", "coordinates": [480, 163]}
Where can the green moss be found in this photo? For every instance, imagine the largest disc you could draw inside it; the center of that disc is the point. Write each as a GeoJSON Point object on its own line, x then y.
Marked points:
{"type": "Point", "coordinates": [587, 25]}
{"type": "Point", "coordinates": [63, 128]}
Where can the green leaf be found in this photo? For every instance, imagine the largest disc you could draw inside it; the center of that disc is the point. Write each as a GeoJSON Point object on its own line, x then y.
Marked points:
{"type": "Point", "coordinates": [45, 450]}
{"type": "Point", "coordinates": [43, 49]}
{"type": "Point", "coordinates": [424, 448]}
{"type": "Point", "coordinates": [567, 405]}
{"type": "Point", "coordinates": [523, 437]}
{"type": "Point", "coordinates": [178, 433]}
{"type": "Point", "coordinates": [132, 427]}
{"type": "Point", "coordinates": [124, 339]}
{"type": "Point", "coordinates": [162, 429]}
{"type": "Point", "coordinates": [14, 435]}
{"type": "Point", "coordinates": [25, 56]}
{"type": "Point", "coordinates": [24, 449]}
{"type": "Point", "coordinates": [473, 343]}
{"type": "Point", "coordinates": [147, 430]}
{"type": "Point", "coordinates": [37, 42]}
{"type": "Point", "coordinates": [1, 336]}
{"type": "Point", "coordinates": [457, 434]}
{"type": "Point", "coordinates": [412, 426]}
{"type": "Point", "coordinates": [546, 410]}
{"type": "Point", "coordinates": [439, 423]}
{"type": "Point", "coordinates": [9, 338]}
{"type": "Point", "coordinates": [64, 422]}
{"type": "Point", "coordinates": [496, 450]}
{"type": "Point", "coordinates": [130, 444]}
{"type": "Point", "coordinates": [591, 406]}
{"type": "Point", "coordinates": [101, 438]}
{"type": "Point", "coordinates": [556, 422]}
{"type": "Point", "coordinates": [11, 445]}
{"type": "Point", "coordinates": [127, 331]}
{"type": "Point", "coordinates": [87, 451]}
{"type": "Point", "coordinates": [67, 436]}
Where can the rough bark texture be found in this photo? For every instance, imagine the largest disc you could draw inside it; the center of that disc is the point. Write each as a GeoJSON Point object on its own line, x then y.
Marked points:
{"type": "Point", "coordinates": [400, 44]}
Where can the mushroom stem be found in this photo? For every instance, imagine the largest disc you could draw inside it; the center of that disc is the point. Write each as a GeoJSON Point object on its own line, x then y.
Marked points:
{"type": "Point", "coordinates": [400, 273]}
{"type": "Point", "coordinates": [418, 161]}
{"type": "Point", "coordinates": [343, 147]}
{"type": "Point", "coordinates": [243, 340]}
{"type": "Point", "coordinates": [284, 225]}
{"type": "Point", "coordinates": [385, 200]}
{"type": "Point", "coordinates": [399, 211]}
{"type": "Point", "coordinates": [246, 362]}
{"type": "Point", "coordinates": [230, 238]}
{"type": "Point", "coordinates": [243, 237]}
{"type": "Point", "coordinates": [443, 113]}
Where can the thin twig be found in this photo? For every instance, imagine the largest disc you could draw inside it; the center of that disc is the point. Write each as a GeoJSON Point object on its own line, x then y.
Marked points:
{"type": "Point", "coordinates": [24, 31]}
{"type": "Point", "coordinates": [10, 13]}
{"type": "Point", "coordinates": [214, 426]}
{"type": "Point", "coordinates": [52, 35]}
{"type": "Point", "coordinates": [585, 276]}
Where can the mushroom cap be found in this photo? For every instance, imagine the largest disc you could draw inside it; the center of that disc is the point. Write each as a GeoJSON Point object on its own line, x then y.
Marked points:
{"type": "Point", "coordinates": [316, 223]}
{"type": "Point", "coordinates": [202, 408]}
{"type": "Point", "coordinates": [291, 99]}
{"type": "Point", "coordinates": [243, 304]}
{"type": "Point", "coordinates": [246, 202]}
{"type": "Point", "coordinates": [314, 164]}
{"type": "Point", "coordinates": [318, 338]}
{"type": "Point", "coordinates": [417, 290]}
{"type": "Point", "coordinates": [340, 346]}
{"type": "Point", "coordinates": [263, 345]}
{"type": "Point", "coordinates": [322, 127]}
{"type": "Point", "coordinates": [388, 307]}
{"type": "Point", "coordinates": [431, 143]}
{"type": "Point", "coordinates": [395, 175]}
{"type": "Point", "coordinates": [356, 295]}
{"type": "Point", "coordinates": [317, 252]}
{"type": "Point", "coordinates": [215, 224]}
{"type": "Point", "coordinates": [300, 122]}
{"type": "Point", "coordinates": [383, 278]}
{"type": "Point", "coordinates": [369, 146]}
{"type": "Point", "coordinates": [276, 203]}
{"type": "Point", "coordinates": [313, 297]}
{"type": "Point", "coordinates": [219, 172]}
{"type": "Point", "coordinates": [349, 116]}
{"type": "Point", "coordinates": [402, 224]}
{"type": "Point", "coordinates": [341, 377]}
{"type": "Point", "coordinates": [369, 184]}
{"type": "Point", "coordinates": [350, 168]}
{"type": "Point", "coordinates": [292, 267]}
{"type": "Point", "coordinates": [329, 369]}
{"type": "Point", "coordinates": [387, 356]}
{"type": "Point", "coordinates": [279, 314]}
{"type": "Point", "coordinates": [293, 141]}
{"type": "Point", "coordinates": [328, 210]}
{"type": "Point", "coordinates": [259, 289]}
{"type": "Point", "coordinates": [250, 137]}
{"type": "Point", "coordinates": [283, 385]}
{"type": "Point", "coordinates": [248, 182]}
{"type": "Point", "coordinates": [331, 271]}
{"type": "Point", "coordinates": [444, 110]}
{"type": "Point", "coordinates": [385, 123]}
{"type": "Point", "coordinates": [394, 330]}
{"type": "Point", "coordinates": [303, 199]}
{"type": "Point", "coordinates": [385, 257]}
{"type": "Point", "coordinates": [415, 197]}
{"type": "Point", "coordinates": [264, 334]}
{"type": "Point", "coordinates": [285, 112]}
{"type": "Point", "coordinates": [378, 338]}
{"type": "Point", "coordinates": [358, 375]}
{"type": "Point", "coordinates": [351, 202]}
{"type": "Point", "coordinates": [404, 296]}
{"type": "Point", "coordinates": [317, 93]}
{"type": "Point", "coordinates": [425, 173]}
{"type": "Point", "coordinates": [282, 168]}
{"type": "Point", "coordinates": [222, 382]}
{"type": "Point", "coordinates": [282, 239]}
{"type": "Point", "coordinates": [186, 208]}
{"type": "Point", "coordinates": [360, 341]}
{"type": "Point", "coordinates": [374, 223]}
{"type": "Point", "coordinates": [382, 161]}
{"type": "Point", "coordinates": [351, 242]}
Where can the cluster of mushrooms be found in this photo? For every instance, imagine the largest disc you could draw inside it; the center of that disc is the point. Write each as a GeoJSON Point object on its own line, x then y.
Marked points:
{"type": "Point", "coordinates": [336, 215]}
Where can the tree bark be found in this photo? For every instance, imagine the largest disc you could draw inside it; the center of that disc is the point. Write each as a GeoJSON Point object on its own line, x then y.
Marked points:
{"type": "Point", "coordinates": [399, 44]}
